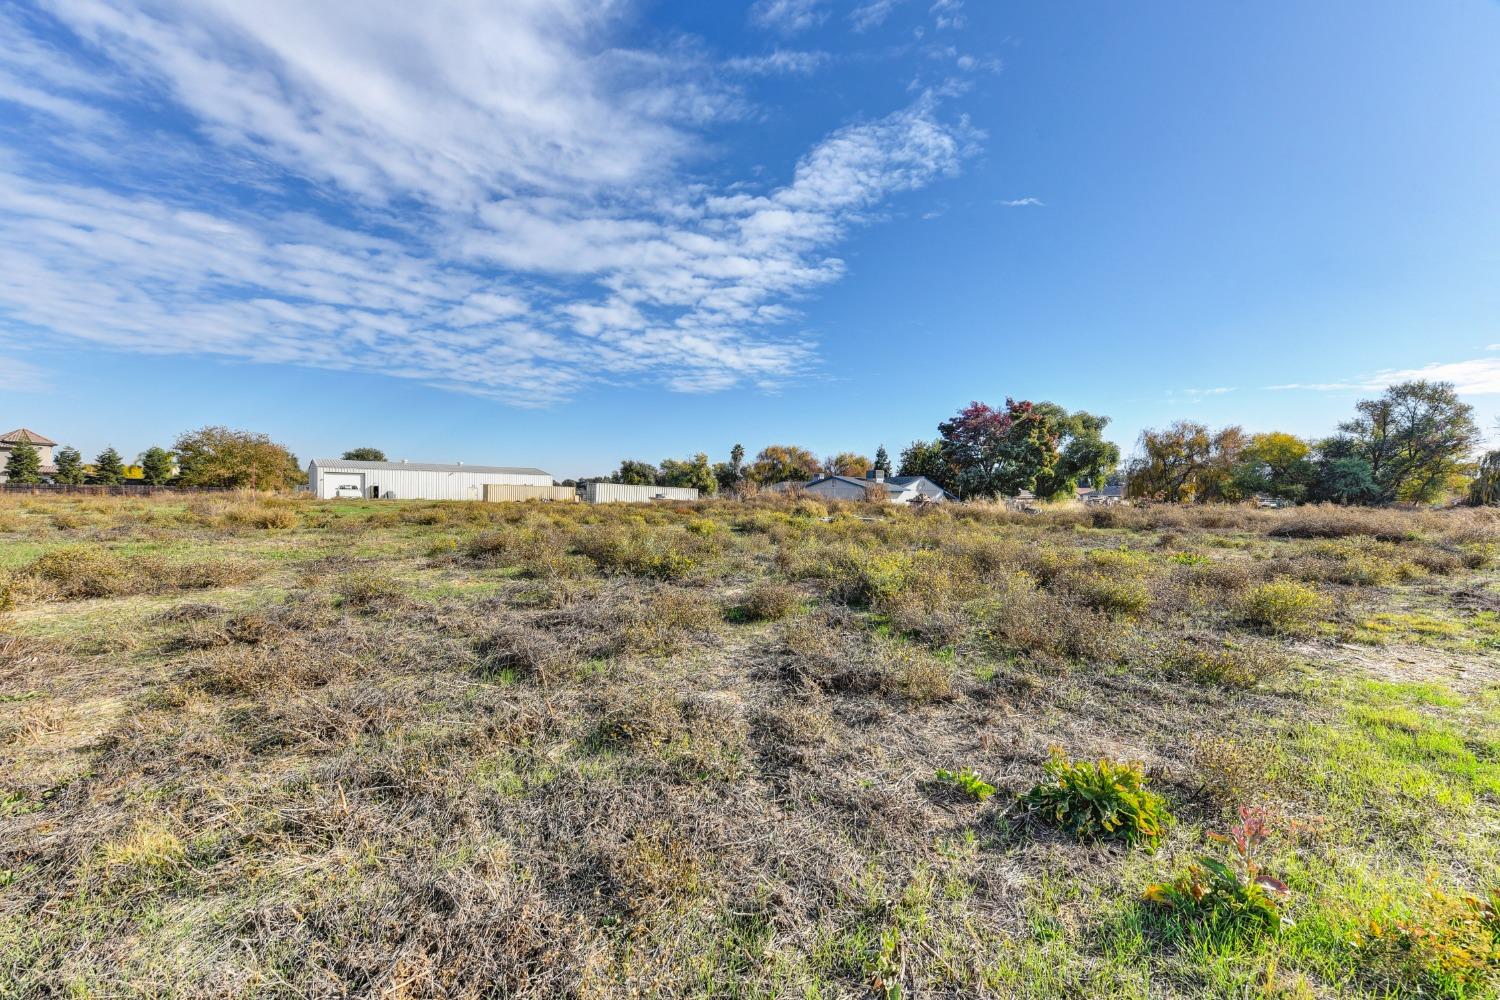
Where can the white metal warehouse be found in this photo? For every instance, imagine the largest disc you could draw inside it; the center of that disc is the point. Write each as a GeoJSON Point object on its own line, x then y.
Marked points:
{"type": "Point", "coordinates": [329, 478]}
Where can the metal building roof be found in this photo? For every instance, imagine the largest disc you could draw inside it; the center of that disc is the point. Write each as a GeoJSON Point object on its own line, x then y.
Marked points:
{"type": "Point", "coordinates": [340, 463]}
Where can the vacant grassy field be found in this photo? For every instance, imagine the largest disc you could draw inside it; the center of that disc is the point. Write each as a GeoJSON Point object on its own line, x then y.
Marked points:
{"type": "Point", "coordinates": [259, 747]}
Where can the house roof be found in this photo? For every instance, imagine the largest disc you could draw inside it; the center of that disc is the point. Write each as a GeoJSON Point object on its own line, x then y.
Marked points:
{"type": "Point", "coordinates": [889, 484]}
{"type": "Point", "coordinates": [339, 463]}
{"type": "Point", "coordinates": [23, 436]}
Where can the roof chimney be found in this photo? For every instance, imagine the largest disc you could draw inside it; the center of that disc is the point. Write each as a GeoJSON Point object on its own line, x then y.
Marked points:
{"type": "Point", "coordinates": [879, 475]}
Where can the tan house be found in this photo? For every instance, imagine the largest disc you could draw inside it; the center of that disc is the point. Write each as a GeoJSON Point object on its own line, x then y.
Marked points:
{"type": "Point", "coordinates": [42, 445]}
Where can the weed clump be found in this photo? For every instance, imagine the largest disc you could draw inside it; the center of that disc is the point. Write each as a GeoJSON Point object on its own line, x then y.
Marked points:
{"type": "Point", "coordinates": [1284, 607]}
{"type": "Point", "coordinates": [1102, 800]}
{"type": "Point", "coordinates": [768, 601]}
{"type": "Point", "coordinates": [80, 572]}
{"type": "Point", "coordinates": [1239, 665]}
{"type": "Point", "coordinates": [1228, 904]}
{"type": "Point", "coordinates": [1447, 943]}
{"type": "Point", "coordinates": [638, 553]}
{"type": "Point", "coordinates": [966, 781]}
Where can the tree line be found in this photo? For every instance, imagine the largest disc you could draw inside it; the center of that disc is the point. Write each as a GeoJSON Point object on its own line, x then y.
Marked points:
{"type": "Point", "coordinates": [1416, 442]}
{"type": "Point", "coordinates": [982, 451]}
{"type": "Point", "coordinates": [207, 458]}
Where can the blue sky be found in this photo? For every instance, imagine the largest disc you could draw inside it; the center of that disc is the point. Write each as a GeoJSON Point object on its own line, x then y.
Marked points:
{"type": "Point", "coordinates": [561, 233]}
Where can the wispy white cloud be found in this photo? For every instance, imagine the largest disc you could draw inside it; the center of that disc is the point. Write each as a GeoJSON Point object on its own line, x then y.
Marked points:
{"type": "Point", "coordinates": [948, 13]}
{"type": "Point", "coordinates": [873, 14]}
{"type": "Point", "coordinates": [23, 376]}
{"type": "Point", "coordinates": [1216, 391]}
{"type": "Point", "coordinates": [781, 62]}
{"type": "Point", "coordinates": [505, 208]}
{"type": "Point", "coordinates": [788, 17]}
{"type": "Point", "coordinates": [1475, 377]}
{"type": "Point", "coordinates": [1023, 203]}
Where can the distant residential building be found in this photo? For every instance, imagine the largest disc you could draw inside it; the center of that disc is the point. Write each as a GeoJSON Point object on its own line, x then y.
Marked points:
{"type": "Point", "coordinates": [21, 435]}
{"type": "Point", "coordinates": [898, 489]}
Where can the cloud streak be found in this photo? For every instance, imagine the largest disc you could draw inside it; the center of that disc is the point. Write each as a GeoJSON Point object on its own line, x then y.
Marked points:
{"type": "Point", "coordinates": [489, 198]}
{"type": "Point", "coordinates": [1475, 377]}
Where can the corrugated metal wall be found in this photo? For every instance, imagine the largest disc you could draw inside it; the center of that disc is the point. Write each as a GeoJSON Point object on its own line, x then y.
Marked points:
{"type": "Point", "coordinates": [504, 492]}
{"type": "Point", "coordinates": [621, 493]}
{"type": "Point", "coordinates": [419, 484]}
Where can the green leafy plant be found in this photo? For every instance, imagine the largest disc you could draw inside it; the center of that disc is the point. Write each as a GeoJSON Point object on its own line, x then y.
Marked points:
{"type": "Point", "coordinates": [1228, 901]}
{"type": "Point", "coordinates": [1103, 799]}
{"type": "Point", "coordinates": [1449, 940]}
{"type": "Point", "coordinates": [967, 781]}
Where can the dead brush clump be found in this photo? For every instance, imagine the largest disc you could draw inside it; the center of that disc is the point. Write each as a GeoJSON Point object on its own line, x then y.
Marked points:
{"type": "Point", "coordinates": [1328, 521]}
{"type": "Point", "coordinates": [828, 650]}
{"type": "Point", "coordinates": [368, 591]}
{"type": "Point", "coordinates": [263, 516]}
{"type": "Point", "coordinates": [1242, 664]}
{"type": "Point", "coordinates": [518, 650]}
{"type": "Point", "coordinates": [639, 551]}
{"type": "Point", "coordinates": [1356, 561]}
{"type": "Point", "coordinates": [831, 653]}
{"type": "Point", "coordinates": [1230, 772]}
{"type": "Point", "coordinates": [80, 572]}
{"type": "Point", "coordinates": [931, 603]}
{"type": "Point", "coordinates": [695, 737]}
{"type": "Point", "coordinates": [666, 620]}
{"type": "Point", "coordinates": [801, 719]}
{"type": "Point", "coordinates": [656, 868]}
{"type": "Point", "coordinates": [541, 552]}
{"type": "Point", "coordinates": [1024, 619]}
{"type": "Point", "coordinates": [209, 626]}
{"type": "Point", "coordinates": [769, 601]}
{"type": "Point", "coordinates": [288, 664]}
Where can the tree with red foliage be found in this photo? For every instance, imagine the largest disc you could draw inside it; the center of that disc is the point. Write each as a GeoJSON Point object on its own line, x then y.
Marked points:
{"type": "Point", "coordinates": [1037, 447]}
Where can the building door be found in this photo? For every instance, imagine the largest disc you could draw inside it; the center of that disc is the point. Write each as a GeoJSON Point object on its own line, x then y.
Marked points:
{"type": "Point", "coordinates": [343, 485]}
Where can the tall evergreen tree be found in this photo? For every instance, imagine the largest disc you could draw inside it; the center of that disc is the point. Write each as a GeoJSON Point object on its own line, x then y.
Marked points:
{"type": "Point", "coordinates": [69, 465]}
{"type": "Point", "coordinates": [109, 468]}
{"type": "Point", "coordinates": [24, 465]}
{"type": "Point", "coordinates": [882, 461]}
{"type": "Point", "coordinates": [156, 466]}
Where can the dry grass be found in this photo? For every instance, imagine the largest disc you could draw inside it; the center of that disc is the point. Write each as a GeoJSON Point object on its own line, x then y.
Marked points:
{"type": "Point", "coordinates": [406, 749]}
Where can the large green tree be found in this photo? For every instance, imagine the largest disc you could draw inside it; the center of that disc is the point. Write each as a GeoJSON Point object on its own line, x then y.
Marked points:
{"type": "Point", "coordinates": [1025, 446]}
{"type": "Point", "coordinates": [633, 472]}
{"type": "Point", "coordinates": [1485, 489]}
{"type": "Point", "coordinates": [364, 455]}
{"type": "Point", "coordinates": [1416, 437]}
{"type": "Point", "coordinates": [846, 463]}
{"type": "Point", "coordinates": [69, 465]}
{"type": "Point", "coordinates": [236, 459]}
{"type": "Point", "coordinates": [779, 462]}
{"type": "Point", "coordinates": [925, 458]}
{"type": "Point", "coordinates": [109, 468]}
{"type": "Point", "coordinates": [882, 461]}
{"type": "Point", "coordinates": [1277, 464]}
{"type": "Point", "coordinates": [23, 465]}
{"type": "Point", "coordinates": [1187, 462]}
{"type": "Point", "coordinates": [694, 473]}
